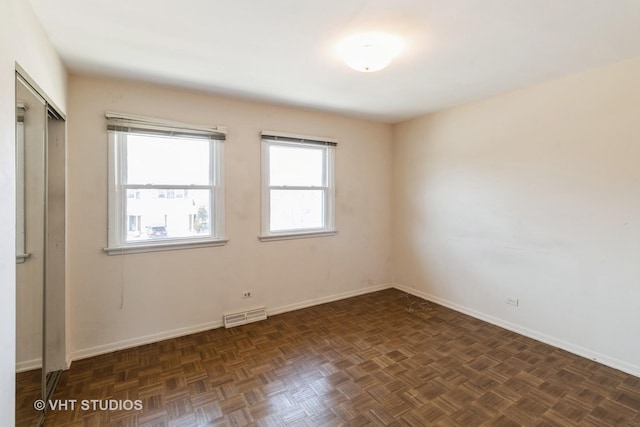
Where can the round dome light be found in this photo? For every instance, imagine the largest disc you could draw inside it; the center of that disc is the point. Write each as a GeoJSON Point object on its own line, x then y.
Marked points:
{"type": "Point", "coordinates": [369, 52]}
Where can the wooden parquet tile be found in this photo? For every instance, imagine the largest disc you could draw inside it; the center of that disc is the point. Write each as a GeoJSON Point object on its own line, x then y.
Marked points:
{"type": "Point", "coordinates": [357, 362]}
{"type": "Point", "coordinates": [28, 390]}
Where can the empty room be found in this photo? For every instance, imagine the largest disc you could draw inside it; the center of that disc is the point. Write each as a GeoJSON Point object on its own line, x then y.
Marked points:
{"type": "Point", "coordinates": [289, 213]}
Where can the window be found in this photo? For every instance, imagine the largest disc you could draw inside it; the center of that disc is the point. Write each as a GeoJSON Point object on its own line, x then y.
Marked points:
{"type": "Point", "coordinates": [297, 186]}
{"type": "Point", "coordinates": [165, 185]}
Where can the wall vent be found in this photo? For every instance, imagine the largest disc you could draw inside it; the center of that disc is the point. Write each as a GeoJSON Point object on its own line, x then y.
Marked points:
{"type": "Point", "coordinates": [243, 317]}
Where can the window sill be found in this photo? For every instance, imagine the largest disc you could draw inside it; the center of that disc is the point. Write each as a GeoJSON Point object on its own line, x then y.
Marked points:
{"type": "Point", "coordinates": [303, 235]}
{"type": "Point", "coordinates": [174, 246]}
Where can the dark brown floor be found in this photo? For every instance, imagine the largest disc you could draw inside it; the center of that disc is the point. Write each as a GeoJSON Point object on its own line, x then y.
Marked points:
{"type": "Point", "coordinates": [360, 361]}
{"type": "Point", "coordinates": [28, 390]}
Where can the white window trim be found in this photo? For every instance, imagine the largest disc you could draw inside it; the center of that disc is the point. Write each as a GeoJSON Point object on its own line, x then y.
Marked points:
{"type": "Point", "coordinates": [165, 246]}
{"type": "Point", "coordinates": [301, 235]}
{"type": "Point", "coordinates": [270, 138]}
{"type": "Point", "coordinates": [117, 244]}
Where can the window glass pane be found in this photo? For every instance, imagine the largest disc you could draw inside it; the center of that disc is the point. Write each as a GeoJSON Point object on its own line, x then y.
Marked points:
{"type": "Point", "coordinates": [162, 161]}
{"type": "Point", "coordinates": [154, 214]}
{"type": "Point", "coordinates": [296, 209]}
{"type": "Point", "coordinates": [296, 166]}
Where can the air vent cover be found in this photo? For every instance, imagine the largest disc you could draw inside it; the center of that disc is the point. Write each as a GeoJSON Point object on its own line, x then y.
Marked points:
{"type": "Point", "coordinates": [243, 317]}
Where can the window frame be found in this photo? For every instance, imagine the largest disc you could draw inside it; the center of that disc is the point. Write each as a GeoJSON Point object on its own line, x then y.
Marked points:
{"type": "Point", "coordinates": [118, 185]}
{"type": "Point", "coordinates": [327, 145]}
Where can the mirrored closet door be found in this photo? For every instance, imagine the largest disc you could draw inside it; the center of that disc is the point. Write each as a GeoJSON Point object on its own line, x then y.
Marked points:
{"type": "Point", "coordinates": [40, 250]}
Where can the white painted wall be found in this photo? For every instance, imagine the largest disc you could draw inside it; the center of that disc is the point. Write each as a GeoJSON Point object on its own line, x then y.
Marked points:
{"type": "Point", "coordinates": [22, 40]}
{"type": "Point", "coordinates": [124, 300]}
{"type": "Point", "coordinates": [533, 195]}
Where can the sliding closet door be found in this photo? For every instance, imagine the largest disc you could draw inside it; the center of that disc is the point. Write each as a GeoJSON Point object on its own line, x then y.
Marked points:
{"type": "Point", "coordinates": [31, 125]}
{"type": "Point", "coordinates": [54, 290]}
{"type": "Point", "coordinates": [40, 251]}
{"type": "Point", "coordinates": [31, 130]}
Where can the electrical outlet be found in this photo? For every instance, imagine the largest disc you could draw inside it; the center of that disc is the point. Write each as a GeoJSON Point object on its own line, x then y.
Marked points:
{"type": "Point", "coordinates": [511, 301]}
{"type": "Point", "coordinates": [247, 294]}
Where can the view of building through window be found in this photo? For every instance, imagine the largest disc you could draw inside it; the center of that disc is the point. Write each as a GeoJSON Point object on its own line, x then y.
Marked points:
{"type": "Point", "coordinates": [168, 188]}
{"type": "Point", "coordinates": [161, 214]}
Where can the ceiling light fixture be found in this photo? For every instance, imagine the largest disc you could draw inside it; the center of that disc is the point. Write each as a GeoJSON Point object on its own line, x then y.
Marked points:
{"type": "Point", "coordinates": [370, 52]}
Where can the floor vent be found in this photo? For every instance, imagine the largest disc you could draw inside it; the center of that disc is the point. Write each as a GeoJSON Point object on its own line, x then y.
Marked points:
{"type": "Point", "coordinates": [236, 319]}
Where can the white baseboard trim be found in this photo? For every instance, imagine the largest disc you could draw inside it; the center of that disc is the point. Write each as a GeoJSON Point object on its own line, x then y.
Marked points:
{"type": "Point", "coordinates": [547, 339]}
{"type": "Point", "coordinates": [28, 365]}
{"type": "Point", "coordinates": [148, 339]}
{"type": "Point", "coordinates": [324, 300]}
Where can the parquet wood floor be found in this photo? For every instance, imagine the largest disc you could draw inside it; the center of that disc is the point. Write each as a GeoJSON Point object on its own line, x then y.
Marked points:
{"type": "Point", "coordinates": [356, 362]}
{"type": "Point", "coordinates": [28, 390]}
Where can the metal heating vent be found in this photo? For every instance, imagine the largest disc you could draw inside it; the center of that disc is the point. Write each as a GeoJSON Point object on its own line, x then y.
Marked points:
{"type": "Point", "coordinates": [236, 319]}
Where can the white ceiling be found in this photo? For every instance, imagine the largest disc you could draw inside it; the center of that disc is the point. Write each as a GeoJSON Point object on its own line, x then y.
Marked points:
{"type": "Point", "coordinates": [283, 51]}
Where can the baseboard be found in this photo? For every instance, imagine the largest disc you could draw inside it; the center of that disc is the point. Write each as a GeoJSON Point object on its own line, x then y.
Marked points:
{"type": "Point", "coordinates": [324, 300]}
{"type": "Point", "coordinates": [547, 339]}
{"type": "Point", "coordinates": [148, 339]}
{"type": "Point", "coordinates": [28, 365]}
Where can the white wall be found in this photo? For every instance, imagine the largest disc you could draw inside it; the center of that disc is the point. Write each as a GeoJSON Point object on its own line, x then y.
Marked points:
{"type": "Point", "coordinates": [124, 300]}
{"type": "Point", "coordinates": [533, 195]}
{"type": "Point", "coordinates": [22, 40]}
